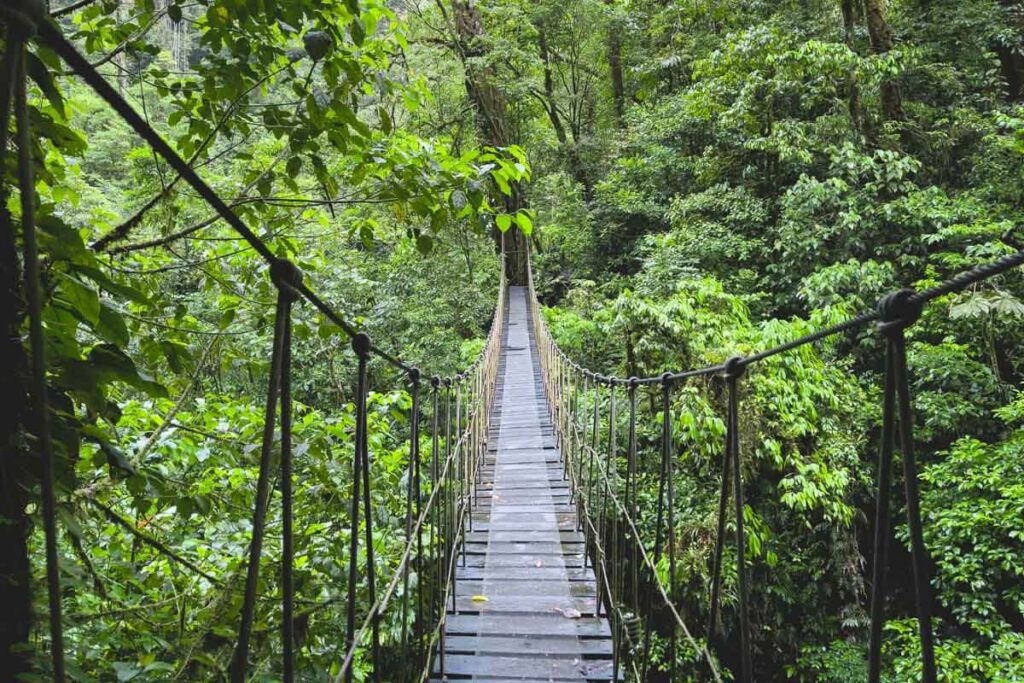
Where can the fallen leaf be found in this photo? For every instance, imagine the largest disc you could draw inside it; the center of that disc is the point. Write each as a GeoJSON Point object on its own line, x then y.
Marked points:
{"type": "Point", "coordinates": [569, 612]}
{"type": "Point", "coordinates": [479, 598]}
{"type": "Point", "coordinates": [538, 563]}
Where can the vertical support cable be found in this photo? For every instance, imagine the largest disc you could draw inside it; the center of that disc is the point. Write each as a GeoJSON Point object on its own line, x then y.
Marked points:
{"type": "Point", "coordinates": [883, 491]}
{"type": "Point", "coordinates": [613, 585]}
{"type": "Point", "coordinates": [14, 62]}
{"type": "Point", "coordinates": [449, 458]}
{"type": "Point", "coordinates": [288, 275]}
{"type": "Point", "coordinates": [669, 457]}
{"type": "Point", "coordinates": [716, 561]}
{"type": "Point", "coordinates": [733, 371]}
{"type": "Point", "coordinates": [595, 428]}
{"type": "Point", "coordinates": [632, 504]}
{"type": "Point", "coordinates": [897, 312]}
{"type": "Point", "coordinates": [601, 539]}
{"type": "Point", "coordinates": [460, 433]}
{"type": "Point", "coordinates": [472, 403]}
{"type": "Point", "coordinates": [664, 484]}
{"type": "Point", "coordinates": [435, 600]}
{"type": "Point", "coordinates": [280, 273]}
{"type": "Point", "coordinates": [361, 345]}
{"type": "Point", "coordinates": [357, 477]}
{"type": "Point", "coordinates": [412, 510]}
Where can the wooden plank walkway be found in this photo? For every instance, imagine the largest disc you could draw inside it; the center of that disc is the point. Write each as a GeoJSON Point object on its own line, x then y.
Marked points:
{"type": "Point", "coordinates": [524, 556]}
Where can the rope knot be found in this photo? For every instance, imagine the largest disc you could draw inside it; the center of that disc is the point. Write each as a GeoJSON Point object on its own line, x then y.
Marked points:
{"type": "Point", "coordinates": [666, 379]}
{"type": "Point", "coordinates": [287, 277]}
{"type": "Point", "coordinates": [361, 344]}
{"type": "Point", "coordinates": [447, 381]}
{"type": "Point", "coordinates": [414, 375]}
{"type": "Point", "coordinates": [897, 311]}
{"type": "Point", "coordinates": [734, 368]}
{"type": "Point", "coordinates": [435, 381]}
{"type": "Point", "coordinates": [634, 382]}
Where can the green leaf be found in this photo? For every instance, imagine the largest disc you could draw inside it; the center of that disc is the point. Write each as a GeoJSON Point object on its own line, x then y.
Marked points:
{"type": "Point", "coordinates": [424, 244]}
{"type": "Point", "coordinates": [82, 300]}
{"type": "Point", "coordinates": [357, 30]}
{"type": "Point", "coordinates": [38, 72]}
{"type": "Point", "coordinates": [106, 363]}
{"type": "Point", "coordinates": [116, 459]}
{"type": "Point", "coordinates": [504, 221]}
{"type": "Point", "coordinates": [525, 224]}
{"type": "Point", "coordinates": [109, 285]}
{"type": "Point", "coordinates": [111, 325]}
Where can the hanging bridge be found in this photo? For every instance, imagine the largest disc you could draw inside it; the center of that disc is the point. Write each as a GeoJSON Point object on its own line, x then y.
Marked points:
{"type": "Point", "coordinates": [524, 555]}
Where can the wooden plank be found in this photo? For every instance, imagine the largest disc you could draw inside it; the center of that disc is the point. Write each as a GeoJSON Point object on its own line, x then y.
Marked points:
{"type": "Point", "coordinates": [529, 666]}
{"type": "Point", "coordinates": [538, 646]}
{"type": "Point", "coordinates": [560, 605]}
{"type": "Point", "coordinates": [527, 625]}
{"type": "Point", "coordinates": [508, 586]}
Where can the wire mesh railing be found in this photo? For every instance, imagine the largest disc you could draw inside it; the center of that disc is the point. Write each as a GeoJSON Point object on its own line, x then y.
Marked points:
{"type": "Point", "coordinates": [438, 503]}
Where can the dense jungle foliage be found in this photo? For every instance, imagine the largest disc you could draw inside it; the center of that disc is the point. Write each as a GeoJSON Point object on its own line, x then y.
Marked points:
{"type": "Point", "coordinates": [695, 178]}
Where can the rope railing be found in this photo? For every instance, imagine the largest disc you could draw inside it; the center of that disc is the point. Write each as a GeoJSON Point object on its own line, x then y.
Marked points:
{"type": "Point", "coordinates": [893, 315]}
{"type": "Point", "coordinates": [434, 524]}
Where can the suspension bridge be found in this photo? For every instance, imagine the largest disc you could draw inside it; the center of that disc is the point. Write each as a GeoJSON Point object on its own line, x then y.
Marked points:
{"type": "Point", "coordinates": [524, 556]}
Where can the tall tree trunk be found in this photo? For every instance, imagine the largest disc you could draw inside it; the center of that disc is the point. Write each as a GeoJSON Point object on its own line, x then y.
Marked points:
{"type": "Point", "coordinates": [856, 109]}
{"type": "Point", "coordinates": [615, 66]}
{"type": "Point", "coordinates": [1010, 61]}
{"type": "Point", "coordinates": [15, 571]}
{"type": "Point", "coordinates": [550, 105]}
{"type": "Point", "coordinates": [881, 43]}
{"type": "Point", "coordinates": [492, 120]}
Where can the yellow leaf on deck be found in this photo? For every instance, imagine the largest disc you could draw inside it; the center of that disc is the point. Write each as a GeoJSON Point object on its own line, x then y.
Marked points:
{"type": "Point", "coordinates": [479, 598]}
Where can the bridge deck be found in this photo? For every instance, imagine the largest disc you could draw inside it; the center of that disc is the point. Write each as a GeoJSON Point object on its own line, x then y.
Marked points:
{"type": "Point", "coordinates": [525, 606]}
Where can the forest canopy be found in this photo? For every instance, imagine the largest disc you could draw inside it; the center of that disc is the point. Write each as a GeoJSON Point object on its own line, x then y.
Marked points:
{"type": "Point", "coordinates": [693, 180]}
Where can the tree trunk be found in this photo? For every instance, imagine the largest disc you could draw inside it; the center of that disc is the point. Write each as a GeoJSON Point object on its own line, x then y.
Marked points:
{"type": "Point", "coordinates": [615, 68]}
{"type": "Point", "coordinates": [576, 167]}
{"type": "Point", "coordinates": [856, 109]}
{"type": "Point", "coordinates": [15, 571]}
{"type": "Point", "coordinates": [1010, 61]}
{"type": "Point", "coordinates": [492, 120]}
{"type": "Point", "coordinates": [881, 43]}
{"type": "Point", "coordinates": [549, 88]}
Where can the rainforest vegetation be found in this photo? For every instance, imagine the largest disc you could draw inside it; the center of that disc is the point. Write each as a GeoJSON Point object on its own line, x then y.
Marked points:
{"type": "Point", "coordinates": [695, 179]}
